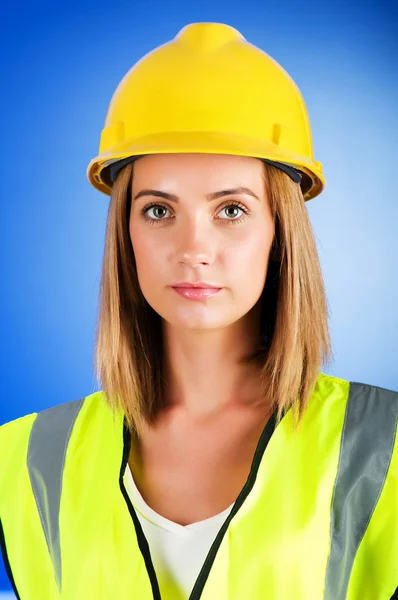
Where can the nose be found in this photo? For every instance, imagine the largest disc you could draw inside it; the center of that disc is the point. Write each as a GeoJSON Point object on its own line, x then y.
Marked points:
{"type": "Point", "coordinates": [194, 244]}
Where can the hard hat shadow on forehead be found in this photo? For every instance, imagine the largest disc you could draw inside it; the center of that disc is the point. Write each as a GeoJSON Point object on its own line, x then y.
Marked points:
{"type": "Point", "coordinates": [112, 171]}
{"type": "Point", "coordinates": [211, 91]}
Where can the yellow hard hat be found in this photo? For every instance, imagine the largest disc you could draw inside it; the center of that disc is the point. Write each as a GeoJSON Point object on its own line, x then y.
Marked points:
{"type": "Point", "coordinates": [208, 90]}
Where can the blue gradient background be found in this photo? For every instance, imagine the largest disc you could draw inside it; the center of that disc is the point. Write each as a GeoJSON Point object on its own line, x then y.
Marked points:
{"type": "Point", "coordinates": [61, 64]}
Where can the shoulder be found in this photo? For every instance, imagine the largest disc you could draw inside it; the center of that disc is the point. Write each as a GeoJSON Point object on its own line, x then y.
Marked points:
{"type": "Point", "coordinates": [367, 417]}
{"type": "Point", "coordinates": [13, 432]}
{"type": "Point", "coordinates": [45, 429]}
{"type": "Point", "coordinates": [351, 409]}
{"type": "Point", "coordinates": [357, 391]}
{"type": "Point", "coordinates": [16, 433]}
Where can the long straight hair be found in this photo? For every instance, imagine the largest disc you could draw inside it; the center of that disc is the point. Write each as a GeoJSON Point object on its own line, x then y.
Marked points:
{"type": "Point", "coordinates": [294, 319]}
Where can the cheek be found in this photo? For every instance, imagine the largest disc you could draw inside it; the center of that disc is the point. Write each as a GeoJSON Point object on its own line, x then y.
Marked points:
{"type": "Point", "coordinates": [248, 260]}
{"type": "Point", "coordinates": [144, 250]}
{"type": "Point", "coordinates": [149, 260]}
{"type": "Point", "coordinates": [143, 245]}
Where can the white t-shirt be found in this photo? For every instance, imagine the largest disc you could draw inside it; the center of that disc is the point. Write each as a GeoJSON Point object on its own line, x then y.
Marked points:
{"type": "Point", "coordinates": [177, 551]}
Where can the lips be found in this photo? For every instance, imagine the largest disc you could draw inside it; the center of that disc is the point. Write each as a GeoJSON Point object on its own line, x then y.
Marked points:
{"type": "Point", "coordinates": [199, 285]}
{"type": "Point", "coordinates": [196, 293]}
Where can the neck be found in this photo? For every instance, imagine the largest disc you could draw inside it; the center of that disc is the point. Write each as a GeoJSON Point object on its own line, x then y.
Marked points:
{"type": "Point", "coordinates": [205, 372]}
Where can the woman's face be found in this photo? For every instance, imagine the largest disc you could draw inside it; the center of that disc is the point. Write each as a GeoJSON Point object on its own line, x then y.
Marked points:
{"type": "Point", "coordinates": [196, 239]}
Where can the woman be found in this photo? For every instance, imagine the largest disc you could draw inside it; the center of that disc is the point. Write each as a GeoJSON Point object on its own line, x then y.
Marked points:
{"type": "Point", "coordinates": [217, 462]}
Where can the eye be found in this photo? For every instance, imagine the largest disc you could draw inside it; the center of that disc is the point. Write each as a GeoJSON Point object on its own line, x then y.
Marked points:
{"type": "Point", "coordinates": [152, 220]}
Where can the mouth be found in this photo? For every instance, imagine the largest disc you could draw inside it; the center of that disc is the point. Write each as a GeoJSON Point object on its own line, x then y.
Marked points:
{"type": "Point", "coordinates": [192, 293]}
{"type": "Point", "coordinates": [198, 285]}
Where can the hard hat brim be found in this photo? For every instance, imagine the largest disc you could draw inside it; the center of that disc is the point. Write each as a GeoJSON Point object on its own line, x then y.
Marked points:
{"type": "Point", "coordinates": [209, 142]}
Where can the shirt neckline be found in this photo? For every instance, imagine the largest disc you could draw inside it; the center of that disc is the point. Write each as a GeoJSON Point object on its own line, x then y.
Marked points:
{"type": "Point", "coordinates": [159, 520]}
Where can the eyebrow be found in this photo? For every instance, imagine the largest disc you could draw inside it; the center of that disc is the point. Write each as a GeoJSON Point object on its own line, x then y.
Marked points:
{"type": "Point", "coordinates": [209, 197]}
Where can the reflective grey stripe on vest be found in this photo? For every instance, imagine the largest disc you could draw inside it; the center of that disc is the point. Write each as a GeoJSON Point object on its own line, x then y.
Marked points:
{"type": "Point", "coordinates": [367, 443]}
{"type": "Point", "coordinates": [48, 442]}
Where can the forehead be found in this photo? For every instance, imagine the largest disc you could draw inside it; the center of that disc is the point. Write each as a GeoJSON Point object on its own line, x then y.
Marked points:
{"type": "Point", "coordinates": [206, 171]}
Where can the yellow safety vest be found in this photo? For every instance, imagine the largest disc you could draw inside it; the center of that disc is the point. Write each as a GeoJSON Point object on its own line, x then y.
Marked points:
{"type": "Point", "coordinates": [316, 519]}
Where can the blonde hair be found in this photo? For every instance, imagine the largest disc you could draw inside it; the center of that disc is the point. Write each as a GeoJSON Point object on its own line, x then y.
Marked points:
{"type": "Point", "coordinates": [128, 352]}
